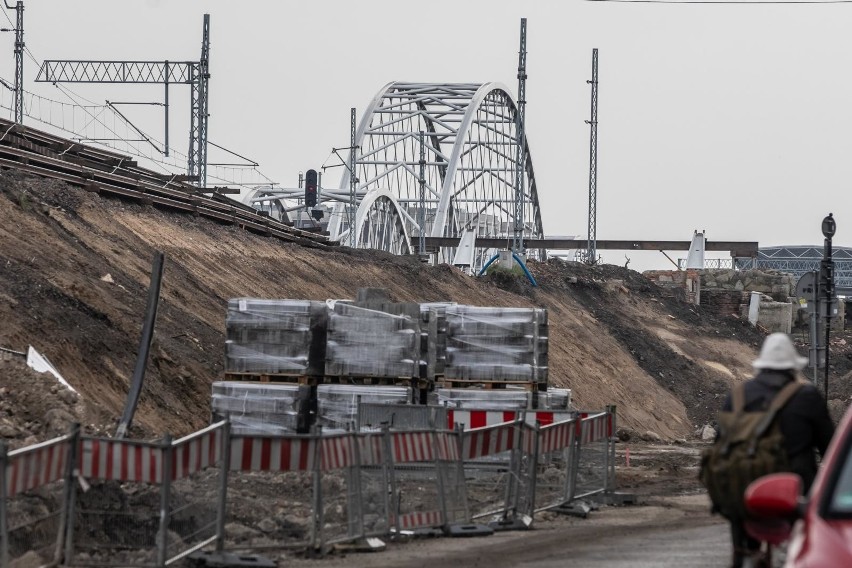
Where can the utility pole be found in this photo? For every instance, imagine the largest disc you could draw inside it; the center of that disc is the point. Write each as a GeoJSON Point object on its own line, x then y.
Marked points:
{"type": "Point", "coordinates": [197, 161]}
{"type": "Point", "coordinates": [421, 218]}
{"type": "Point", "coordinates": [592, 245]}
{"type": "Point", "coordinates": [353, 180]}
{"type": "Point", "coordinates": [826, 285]}
{"type": "Point", "coordinates": [19, 58]}
{"type": "Point", "coordinates": [520, 160]}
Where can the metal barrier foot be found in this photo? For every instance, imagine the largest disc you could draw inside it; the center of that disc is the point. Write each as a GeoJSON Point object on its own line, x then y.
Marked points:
{"type": "Point", "coordinates": [427, 533]}
{"type": "Point", "coordinates": [521, 523]}
{"type": "Point", "coordinates": [204, 559]}
{"type": "Point", "coordinates": [361, 545]}
{"type": "Point", "coordinates": [578, 509]}
{"type": "Point", "coordinates": [468, 530]}
{"type": "Point", "coordinates": [620, 499]}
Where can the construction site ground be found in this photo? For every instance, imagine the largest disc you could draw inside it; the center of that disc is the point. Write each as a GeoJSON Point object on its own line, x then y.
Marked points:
{"type": "Point", "coordinates": [74, 274]}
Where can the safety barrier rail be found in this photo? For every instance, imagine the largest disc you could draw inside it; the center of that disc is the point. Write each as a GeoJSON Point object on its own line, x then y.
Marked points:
{"type": "Point", "coordinates": [87, 501]}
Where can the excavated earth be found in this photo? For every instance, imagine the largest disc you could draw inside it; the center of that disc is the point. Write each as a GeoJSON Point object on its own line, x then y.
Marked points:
{"type": "Point", "coordinates": [74, 280]}
{"type": "Point", "coordinates": [74, 276]}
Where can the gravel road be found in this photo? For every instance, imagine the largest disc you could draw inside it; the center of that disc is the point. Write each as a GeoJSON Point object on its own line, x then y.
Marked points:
{"type": "Point", "coordinates": [675, 531]}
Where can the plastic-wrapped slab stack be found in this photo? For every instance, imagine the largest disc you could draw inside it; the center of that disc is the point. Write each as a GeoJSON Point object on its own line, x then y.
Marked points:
{"type": "Point", "coordinates": [504, 399]}
{"type": "Point", "coordinates": [275, 337]}
{"type": "Point", "coordinates": [256, 407]}
{"type": "Point", "coordinates": [555, 399]}
{"type": "Point", "coordinates": [433, 338]}
{"type": "Point", "coordinates": [380, 339]}
{"type": "Point", "coordinates": [338, 404]}
{"type": "Point", "coordinates": [497, 345]}
{"type": "Point", "coordinates": [268, 408]}
{"type": "Point", "coordinates": [482, 399]}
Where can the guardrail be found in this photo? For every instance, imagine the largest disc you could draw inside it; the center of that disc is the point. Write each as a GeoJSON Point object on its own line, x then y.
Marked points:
{"type": "Point", "coordinates": [87, 501]}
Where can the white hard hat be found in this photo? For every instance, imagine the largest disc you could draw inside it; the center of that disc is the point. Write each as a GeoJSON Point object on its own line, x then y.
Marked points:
{"type": "Point", "coordinates": [779, 353]}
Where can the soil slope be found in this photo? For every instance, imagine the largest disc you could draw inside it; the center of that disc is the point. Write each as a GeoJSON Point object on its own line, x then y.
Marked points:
{"type": "Point", "coordinates": [74, 273]}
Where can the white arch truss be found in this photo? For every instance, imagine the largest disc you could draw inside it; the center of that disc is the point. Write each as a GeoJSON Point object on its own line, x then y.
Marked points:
{"type": "Point", "coordinates": [381, 224]}
{"type": "Point", "coordinates": [470, 144]}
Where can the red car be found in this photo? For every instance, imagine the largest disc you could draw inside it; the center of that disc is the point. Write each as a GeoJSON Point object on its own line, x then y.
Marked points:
{"type": "Point", "coordinates": [819, 526]}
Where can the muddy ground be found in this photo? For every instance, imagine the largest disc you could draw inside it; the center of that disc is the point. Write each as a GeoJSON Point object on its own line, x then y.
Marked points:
{"type": "Point", "coordinates": [74, 270]}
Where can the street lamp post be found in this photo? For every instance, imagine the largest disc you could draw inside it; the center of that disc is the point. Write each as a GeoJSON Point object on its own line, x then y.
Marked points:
{"type": "Point", "coordinates": [826, 284]}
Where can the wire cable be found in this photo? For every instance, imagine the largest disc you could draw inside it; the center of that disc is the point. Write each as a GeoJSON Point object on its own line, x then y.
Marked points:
{"type": "Point", "coordinates": [728, 2]}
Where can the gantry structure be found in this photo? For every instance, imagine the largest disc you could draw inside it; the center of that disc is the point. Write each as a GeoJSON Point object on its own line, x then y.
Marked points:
{"type": "Point", "coordinates": [196, 74]}
{"type": "Point", "coordinates": [470, 177]}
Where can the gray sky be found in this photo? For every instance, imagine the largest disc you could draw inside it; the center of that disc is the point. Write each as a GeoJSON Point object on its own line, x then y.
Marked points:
{"type": "Point", "coordinates": [731, 118]}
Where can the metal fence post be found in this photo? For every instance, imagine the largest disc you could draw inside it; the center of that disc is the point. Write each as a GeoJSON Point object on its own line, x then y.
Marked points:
{"type": "Point", "coordinates": [65, 518]}
{"type": "Point", "coordinates": [165, 501]}
{"type": "Point", "coordinates": [515, 469]}
{"type": "Point", "coordinates": [359, 495]}
{"type": "Point", "coordinates": [317, 521]}
{"type": "Point", "coordinates": [439, 473]}
{"type": "Point", "coordinates": [568, 454]}
{"type": "Point", "coordinates": [71, 481]}
{"type": "Point", "coordinates": [576, 448]}
{"type": "Point", "coordinates": [391, 507]}
{"type": "Point", "coordinates": [611, 437]}
{"type": "Point", "coordinates": [459, 430]}
{"type": "Point", "coordinates": [4, 526]}
{"type": "Point", "coordinates": [223, 484]}
{"type": "Point", "coordinates": [533, 469]}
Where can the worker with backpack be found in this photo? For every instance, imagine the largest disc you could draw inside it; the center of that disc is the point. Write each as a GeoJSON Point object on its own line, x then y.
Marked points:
{"type": "Point", "coordinates": [773, 422]}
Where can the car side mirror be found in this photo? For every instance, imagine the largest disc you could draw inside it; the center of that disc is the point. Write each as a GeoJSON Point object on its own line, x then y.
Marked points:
{"type": "Point", "coordinates": [774, 502]}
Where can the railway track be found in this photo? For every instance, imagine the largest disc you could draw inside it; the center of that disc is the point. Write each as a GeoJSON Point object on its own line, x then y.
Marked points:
{"type": "Point", "coordinates": [112, 174]}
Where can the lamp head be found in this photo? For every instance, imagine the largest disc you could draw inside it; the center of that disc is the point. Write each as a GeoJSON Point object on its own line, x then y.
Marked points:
{"type": "Point", "coordinates": [829, 226]}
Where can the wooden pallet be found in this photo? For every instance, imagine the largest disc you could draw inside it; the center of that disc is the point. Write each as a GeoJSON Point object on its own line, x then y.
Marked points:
{"type": "Point", "coordinates": [383, 381]}
{"type": "Point", "coordinates": [326, 380]}
{"type": "Point", "coordinates": [486, 385]}
{"type": "Point", "coordinates": [274, 378]}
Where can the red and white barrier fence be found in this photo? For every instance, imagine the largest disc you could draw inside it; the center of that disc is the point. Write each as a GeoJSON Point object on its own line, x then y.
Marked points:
{"type": "Point", "coordinates": [255, 453]}
{"type": "Point", "coordinates": [557, 436]}
{"type": "Point", "coordinates": [481, 418]}
{"type": "Point", "coordinates": [486, 433]}
{"type": "Point", "coordinates": [418, 520]}
{"type": "Point", "coordinates": [197, 451]}
{"type": "Point", "coordinates": [490, 440]}
{"type": "Point", "coordinates": [36, 466]}
{"type": "Point", "coordinates": [594, 427]}
{"type": "Point", "coordinates": [120, 460]}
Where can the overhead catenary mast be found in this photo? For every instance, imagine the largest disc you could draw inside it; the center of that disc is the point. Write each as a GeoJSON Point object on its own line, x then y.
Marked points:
{"type": "Point", "coordinates": [591, 245]}
{"type": "Point", "coordinates": [196, 74]}
{"type": "Point", "coordinates": [520, 160]}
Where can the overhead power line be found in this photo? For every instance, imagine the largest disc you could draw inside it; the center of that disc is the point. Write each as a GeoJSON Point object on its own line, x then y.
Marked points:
{"type": "Point", "coordinates": [728, 2]}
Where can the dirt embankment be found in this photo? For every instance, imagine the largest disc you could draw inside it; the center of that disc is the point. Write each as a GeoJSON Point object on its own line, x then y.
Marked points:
{"type": "Point", "coordinates": [74, 278]}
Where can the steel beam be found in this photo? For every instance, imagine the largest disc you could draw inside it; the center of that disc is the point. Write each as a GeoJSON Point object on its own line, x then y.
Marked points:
{"type": "Point", "coordinates": [737, 248]}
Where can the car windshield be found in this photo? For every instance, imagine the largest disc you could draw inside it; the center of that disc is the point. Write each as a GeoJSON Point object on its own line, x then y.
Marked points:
{"type": "Point", "coordinates": [840, 502]}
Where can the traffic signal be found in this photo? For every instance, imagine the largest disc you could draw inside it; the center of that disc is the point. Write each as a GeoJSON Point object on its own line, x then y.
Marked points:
{"type": "Point", "coordinates": [311, 188]}
{"type": "Point", "coordinates": [826, 277]}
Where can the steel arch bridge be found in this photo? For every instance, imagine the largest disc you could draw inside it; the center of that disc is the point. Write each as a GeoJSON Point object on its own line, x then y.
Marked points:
{"type": "Point", "coordinates": [470, 170]}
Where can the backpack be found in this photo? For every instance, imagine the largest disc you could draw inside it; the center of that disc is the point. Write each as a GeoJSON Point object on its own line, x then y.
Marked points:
{"type": "Point", "coordinates": [749, 445]}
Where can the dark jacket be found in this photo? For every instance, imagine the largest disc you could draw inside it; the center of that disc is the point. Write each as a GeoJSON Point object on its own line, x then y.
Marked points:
{"type": "Point", "coordinates": [804, 420]}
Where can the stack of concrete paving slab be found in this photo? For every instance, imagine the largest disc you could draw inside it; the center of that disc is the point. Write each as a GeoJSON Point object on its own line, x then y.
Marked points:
{"type": "Point", "coordinates": [286, 337]}
{"type": "Point", "coordinates": [497, 345]}
{"type": "Point", "coordinates": [269, 408]}
{"type": "Point", "coordinates": [504, 399]}
{"type": "Point", "coordinates": [367, 339]}
{"type": "Point", "coordinates": [433, 338]}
